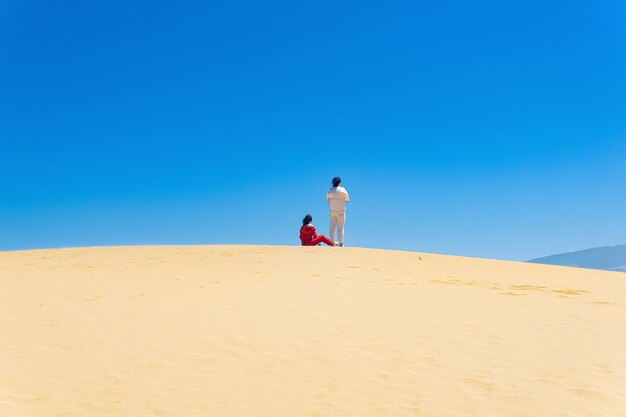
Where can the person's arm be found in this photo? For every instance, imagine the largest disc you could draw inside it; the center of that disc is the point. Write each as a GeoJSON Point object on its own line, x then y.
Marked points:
{"type": "Point", "coordinates": [346, 196]}
{"type": "Point", "coordinates": [327, 198]}
{"type": "Point", "coordinates": [314, 232]}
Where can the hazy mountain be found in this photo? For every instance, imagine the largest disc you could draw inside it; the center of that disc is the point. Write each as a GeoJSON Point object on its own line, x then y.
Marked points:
{"type": "Point", "coordinates": [610, 258]}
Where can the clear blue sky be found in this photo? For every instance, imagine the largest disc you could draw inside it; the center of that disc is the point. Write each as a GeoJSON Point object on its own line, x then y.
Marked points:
{"type": "Point", "coordinates": [479, 128]}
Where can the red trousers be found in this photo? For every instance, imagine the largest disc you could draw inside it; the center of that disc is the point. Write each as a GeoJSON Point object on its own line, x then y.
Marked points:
{"type": "Point", "coordinates": [319, 239]}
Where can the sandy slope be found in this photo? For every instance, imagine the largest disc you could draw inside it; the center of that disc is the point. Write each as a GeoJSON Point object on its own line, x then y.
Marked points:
{"type": "Point", "coordinates": [231, 331]}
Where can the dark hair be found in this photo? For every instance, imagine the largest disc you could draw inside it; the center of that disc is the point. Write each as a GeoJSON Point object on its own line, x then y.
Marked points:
{"type": "Point", "coordinates": [336, 181]}
{"type": "Point", "coordinates": [307, 219]}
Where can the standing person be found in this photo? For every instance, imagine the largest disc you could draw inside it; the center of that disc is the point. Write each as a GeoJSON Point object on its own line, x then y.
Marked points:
{"type": "Point", "coordinates": [308, 236]}
{"type": "Point", "coordinates": [337, 197]}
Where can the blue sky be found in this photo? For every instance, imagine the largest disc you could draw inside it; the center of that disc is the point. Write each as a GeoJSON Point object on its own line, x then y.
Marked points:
{"type": "Point", "coordinates": [490, 129]}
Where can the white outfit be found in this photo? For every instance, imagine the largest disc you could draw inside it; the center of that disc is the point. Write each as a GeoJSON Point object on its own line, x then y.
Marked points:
{"type": "Point", "coordinates": [337, 197]}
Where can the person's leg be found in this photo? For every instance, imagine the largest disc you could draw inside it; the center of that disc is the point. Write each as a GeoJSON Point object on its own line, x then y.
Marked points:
{"type": "Point", "coordinates": [333, 225]}
{"type": "Point", "coordinates": [341, 221]}
{"type": "Point", "coordinates": [321, 239]}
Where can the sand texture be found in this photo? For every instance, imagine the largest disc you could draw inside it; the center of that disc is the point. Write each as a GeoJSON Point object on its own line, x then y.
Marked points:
{"type": "Point", "coordinates": [234, 331]}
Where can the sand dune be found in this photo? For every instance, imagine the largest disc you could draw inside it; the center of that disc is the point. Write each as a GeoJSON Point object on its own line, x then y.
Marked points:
{"type": "Point", "coordinates": [232, 331]}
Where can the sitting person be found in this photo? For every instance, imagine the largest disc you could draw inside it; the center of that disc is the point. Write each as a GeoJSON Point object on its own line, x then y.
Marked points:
{"type": "Point", "coordinates": [308, 236]}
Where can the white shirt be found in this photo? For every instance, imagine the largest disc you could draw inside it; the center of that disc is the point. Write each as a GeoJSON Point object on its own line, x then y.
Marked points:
{"type": "Point", "coordinates": [337, 197]}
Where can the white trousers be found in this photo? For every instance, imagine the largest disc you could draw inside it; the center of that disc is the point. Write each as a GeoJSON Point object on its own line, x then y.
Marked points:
{"type": "Point", "coordinates": [337, 220]}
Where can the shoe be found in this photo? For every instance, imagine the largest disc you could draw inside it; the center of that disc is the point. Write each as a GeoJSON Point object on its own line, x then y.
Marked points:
{"type": "Point", "coordinates": [341, 245]}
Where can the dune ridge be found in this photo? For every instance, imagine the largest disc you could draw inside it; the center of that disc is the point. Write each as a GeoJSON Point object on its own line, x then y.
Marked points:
{"type": "Point", "coordinates": [305, 331]}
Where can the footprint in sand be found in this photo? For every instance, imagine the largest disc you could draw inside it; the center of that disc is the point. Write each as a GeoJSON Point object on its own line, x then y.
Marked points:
{"type": "Point", "coordinates": [571, 292]}
{"type": "Point", "coordinates": [606, 303]}
{"type": "Point", "coordinates": [562, 293]}
{"type": "Point", "coordinates": [529, 288]}
{"type": "Point", "coordinates": [479, 383]}
{"type": "Point", "coordinates": [587, 393]}
{"type": "Point", "coordinates": [515, 294]}
{"type": "Point", "coordinates": [93, 298]}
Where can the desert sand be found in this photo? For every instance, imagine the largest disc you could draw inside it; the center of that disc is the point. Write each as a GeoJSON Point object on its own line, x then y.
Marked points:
{"type": "Point", "coordinates": [272, 331]}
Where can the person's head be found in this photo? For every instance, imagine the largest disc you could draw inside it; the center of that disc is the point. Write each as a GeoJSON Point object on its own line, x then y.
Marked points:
{"type": "Point", "coordinates": [307, 219]}
{"type": "Point", "coordinates": [336, 181]}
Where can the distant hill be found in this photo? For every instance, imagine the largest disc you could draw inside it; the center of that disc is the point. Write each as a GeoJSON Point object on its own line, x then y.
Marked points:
{"type": "Point", "coordinates": [610, 258]}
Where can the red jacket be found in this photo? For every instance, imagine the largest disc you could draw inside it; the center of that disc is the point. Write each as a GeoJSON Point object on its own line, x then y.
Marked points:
{"type": "Point", "coordinates": [307, 234]}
